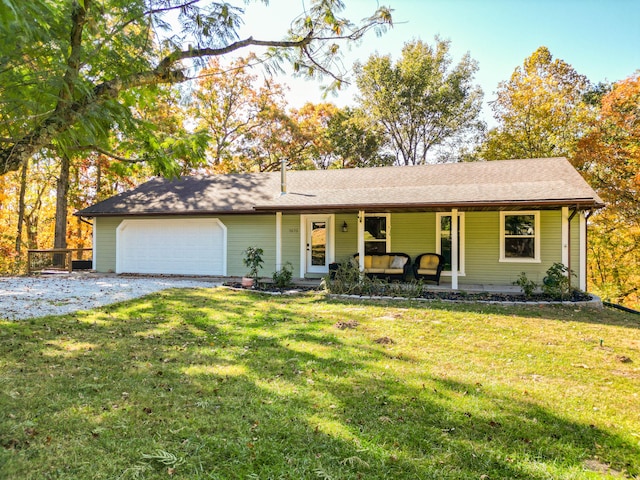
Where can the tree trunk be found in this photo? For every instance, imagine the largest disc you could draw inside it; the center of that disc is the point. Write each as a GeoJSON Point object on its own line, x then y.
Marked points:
{"type": "Point", "coordinates": [60, 235]}
{"type": "Point", "coordinates": [32, 231]}
{"type": "Point", "coordinates": [23, 189]}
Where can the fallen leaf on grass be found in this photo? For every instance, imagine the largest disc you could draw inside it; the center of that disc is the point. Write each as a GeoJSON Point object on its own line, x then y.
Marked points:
{"type": "Point", "coordinates": [347, 324]}
{"type": "Point", "coordinates": [385, 341]}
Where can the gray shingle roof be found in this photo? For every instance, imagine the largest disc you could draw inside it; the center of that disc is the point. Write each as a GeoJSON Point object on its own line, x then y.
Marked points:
{"type": "Point", "coordinates": [543, 182]}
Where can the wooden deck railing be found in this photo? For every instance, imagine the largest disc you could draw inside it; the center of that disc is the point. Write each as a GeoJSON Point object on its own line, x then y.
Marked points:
{"type": "Point", "coordinates": [54, 259]}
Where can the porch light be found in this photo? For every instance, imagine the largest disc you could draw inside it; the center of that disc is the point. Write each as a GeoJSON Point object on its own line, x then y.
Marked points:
{"type": "Point", "coordinates": [345, 227]}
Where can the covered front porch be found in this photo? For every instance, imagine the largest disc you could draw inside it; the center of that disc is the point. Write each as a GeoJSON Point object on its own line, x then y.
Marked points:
{"type": "Point", "coordinates": [484, 249]}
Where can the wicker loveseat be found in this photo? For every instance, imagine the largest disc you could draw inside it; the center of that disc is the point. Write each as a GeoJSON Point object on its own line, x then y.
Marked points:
{"type": "Point", "coordinates": [428, 266]}
{"type": "Point", "coordinates": [390, 265]}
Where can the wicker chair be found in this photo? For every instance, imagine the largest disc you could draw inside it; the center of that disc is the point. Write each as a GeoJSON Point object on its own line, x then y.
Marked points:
{"type": "Point", "coordinates": [428, 266]}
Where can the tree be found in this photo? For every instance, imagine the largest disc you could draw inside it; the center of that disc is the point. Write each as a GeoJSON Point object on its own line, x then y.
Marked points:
{"type": "Point", "coordinates": [237, 112]}
{"type": "Point", "coordinates": [313, 121]}
{"type": "Point", "coordinates": [541, 111]}
{"type": "Point", "coordinates": [78, 75]}
{"type": "Point", "coordinates": [609, 158]}
{"type": "Point", "coordinates": [226, 104]}
{"type": "Point", "coordinates": [355, 141]}
{"type": "Point", "coordinates": [278, 138]}
{"type": "Point", "coordinates": [70, 80]}
{"type": "Point", "coordinates": [421, 101]}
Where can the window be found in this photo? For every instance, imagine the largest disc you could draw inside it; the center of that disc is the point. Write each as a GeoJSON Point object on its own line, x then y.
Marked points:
{"type": "Point", "coordinates": [376, 234]}
{"type": "Point", "coordinates": [519, 236]}
{"type": "Point", "coordinates": [443, 241]}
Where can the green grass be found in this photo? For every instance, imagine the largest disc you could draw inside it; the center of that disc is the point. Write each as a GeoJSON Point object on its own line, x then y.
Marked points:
{"type": "Point", "coordinates": [219, 384]}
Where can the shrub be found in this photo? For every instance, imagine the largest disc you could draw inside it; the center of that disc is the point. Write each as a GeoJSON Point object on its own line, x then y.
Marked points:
{"type": "Point", "coordinates": [348, 280]}
{"type": "Point", "coordinates": [253, 260]}
{"type": "Point", "coordinates": [556, 282]}
{"type": "Point", "coordinates": [527, 286]}
{"type": "Point", "coordinates": [282, 278]}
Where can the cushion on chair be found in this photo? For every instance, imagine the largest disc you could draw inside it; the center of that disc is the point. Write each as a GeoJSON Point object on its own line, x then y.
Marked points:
{"type": "Point", "coordinates": [427, 271]}
{"type": "Point", "coordinates": [398, 262]}
{"type": "Point", "coordinates": [380, 261]}
{"type": "Point", "coordinates": [394, 271]}
{"type": "Point", "coordinates": [367, 261]}
{"type": "Point", "coordinates": [429, 262]}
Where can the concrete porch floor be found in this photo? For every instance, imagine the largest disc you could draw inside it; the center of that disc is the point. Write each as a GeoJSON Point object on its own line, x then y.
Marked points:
{"type": "Point", "coordinates": [443, 287]}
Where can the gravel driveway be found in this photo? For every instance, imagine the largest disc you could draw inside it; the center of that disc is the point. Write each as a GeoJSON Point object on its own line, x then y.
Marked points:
{"type": "Point", "coordinates": [28, 297]}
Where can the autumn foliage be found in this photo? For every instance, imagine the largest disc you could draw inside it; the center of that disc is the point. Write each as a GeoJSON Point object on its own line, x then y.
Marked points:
{"type": "Point", "coordinates": [609, 158]}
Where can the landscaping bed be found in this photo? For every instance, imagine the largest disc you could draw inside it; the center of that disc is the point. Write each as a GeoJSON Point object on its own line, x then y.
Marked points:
{"type": "Point", "coordinates": [395, 290]}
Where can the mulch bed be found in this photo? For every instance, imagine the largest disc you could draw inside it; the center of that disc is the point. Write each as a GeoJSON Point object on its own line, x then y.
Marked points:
{"type": "Point", "coordinates": [501, 297]}
{"type": "Point", "coordinates": [429, 295]}
{"type": "Point", "coordinates": [270, 288]}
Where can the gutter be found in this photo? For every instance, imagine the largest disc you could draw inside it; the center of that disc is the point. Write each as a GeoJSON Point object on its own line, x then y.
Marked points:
{"type": "Point", "coordinates": [586, 204]}
{"type": "Point", "coordinates": [83, 220]}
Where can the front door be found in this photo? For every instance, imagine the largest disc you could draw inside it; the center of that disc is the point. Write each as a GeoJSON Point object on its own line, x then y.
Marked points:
{"type": "Point", "coordinates": [318, 243]}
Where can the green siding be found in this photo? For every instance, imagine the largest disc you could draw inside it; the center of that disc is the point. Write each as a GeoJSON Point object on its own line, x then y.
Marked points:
{"type": "Point", "coordinates": [105, 243]}
{"type": "Point", "coordinates": [291, 242]}
{"type": "Point", "coordinates": [411, 233]}
{"type": "Point", "coordinates": [483, 249]}
{"type": "Point", "coordinates": [346, 242]}
{"type": "Point", "coordinates": [245, 231]}
{"type": "Point", "coordinates": [575, 251]}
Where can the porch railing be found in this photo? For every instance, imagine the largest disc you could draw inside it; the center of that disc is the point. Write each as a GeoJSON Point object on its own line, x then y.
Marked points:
{"type": "Point", "coordinates": [58, 259]}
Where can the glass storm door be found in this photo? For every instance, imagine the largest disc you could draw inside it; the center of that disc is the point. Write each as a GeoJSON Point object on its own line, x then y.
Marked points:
{"type": "Point", "coordinates": [317, 245]}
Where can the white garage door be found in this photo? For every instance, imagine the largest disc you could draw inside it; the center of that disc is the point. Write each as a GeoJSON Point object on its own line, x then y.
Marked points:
{"type": "Point", "coordinates": [171, 246]}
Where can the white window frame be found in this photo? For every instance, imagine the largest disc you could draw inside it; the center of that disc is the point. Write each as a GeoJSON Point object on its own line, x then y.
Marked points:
{"type": "Point", "coordinates": [461, 236]}
{"type": "Point", "coordinates": [536, 236]}
{"type": "Point", "coordinates": [388, 238]}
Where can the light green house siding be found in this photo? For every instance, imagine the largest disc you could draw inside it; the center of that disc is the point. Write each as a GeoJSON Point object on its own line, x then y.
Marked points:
{"type": "Point", "coordinates": [346, 242]}
{"type": "Point", "coordinates": [105, 243]}
{"type": "Point", "coordinates": [291, 242]}
{"type": "Point", "coordinates": [415, 233]}
{"type": "Point", "coordinates": [482, 244]}
{"type": "Point", "coordinates": [412, 233]}
{"type": "Point", "coordinates": [245, 231]}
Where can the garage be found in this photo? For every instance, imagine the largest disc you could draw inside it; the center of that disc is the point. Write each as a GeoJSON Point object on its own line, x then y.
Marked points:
{"type": "Point", "coordinates": [172, 246]}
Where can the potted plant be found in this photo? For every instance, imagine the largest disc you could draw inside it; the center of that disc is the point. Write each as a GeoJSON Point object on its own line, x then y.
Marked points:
{"type": "Point", "coordinates": [253, 260]}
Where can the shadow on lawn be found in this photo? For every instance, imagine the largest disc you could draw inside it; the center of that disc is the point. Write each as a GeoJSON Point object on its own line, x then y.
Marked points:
{"type": "Point", "coordinates": [605, 316]}
{"type": "Point", "coordinates": [274, 395]}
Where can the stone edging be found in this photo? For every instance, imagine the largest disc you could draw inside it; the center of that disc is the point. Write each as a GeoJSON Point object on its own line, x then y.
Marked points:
{"type": "Point", "coordinates": [595, 301]}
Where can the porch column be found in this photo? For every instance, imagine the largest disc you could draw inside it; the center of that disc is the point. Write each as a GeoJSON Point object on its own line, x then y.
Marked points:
{"type": "Point", "coordinates": [454, 249]}
{"type": "Point", "coordinates": [583, 253]}
{"type": "Point", "coordinates": [278, 241]}
{"type": "Point", "coordinates": [361, 240]}
{"type": "Point", "coordinates": [565, 236]}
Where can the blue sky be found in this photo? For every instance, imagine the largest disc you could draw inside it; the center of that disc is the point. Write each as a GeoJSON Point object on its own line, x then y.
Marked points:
{"type": "Point", "coordinates": [599, 38]}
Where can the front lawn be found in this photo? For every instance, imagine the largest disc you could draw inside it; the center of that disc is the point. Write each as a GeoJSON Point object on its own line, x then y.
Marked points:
{"type": "Point", "coordinates": [220, 384]}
